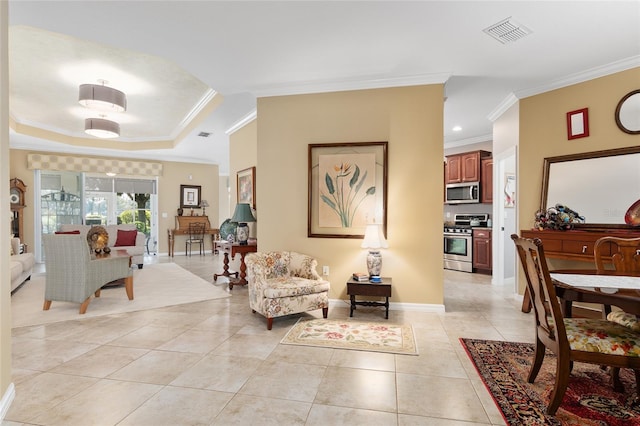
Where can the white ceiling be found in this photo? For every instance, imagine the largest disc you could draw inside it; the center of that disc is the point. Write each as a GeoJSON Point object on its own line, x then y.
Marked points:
{"type": "Point", "coordinates": [244, 50]}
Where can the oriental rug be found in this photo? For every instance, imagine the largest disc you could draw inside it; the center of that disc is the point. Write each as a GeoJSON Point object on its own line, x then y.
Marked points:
{"type": "Point", "coordinates": [589, 399]}
{"type": "Point", "coordinates": [155, 286]}
{"type": "Point", "coordinates": [355, 335]}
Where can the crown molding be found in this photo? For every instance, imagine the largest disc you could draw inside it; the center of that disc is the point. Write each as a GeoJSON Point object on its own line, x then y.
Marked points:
{"type": "Point", "coordinates": [581, 77]}
{"type": "Point", "coordinates": [507, 103]}
{"type": "Point", "coordinates": [469, 141]}
{"type": "Point", "coordinates": [345, 85]}
{"type": "Point", "coordinates": [242, 122]}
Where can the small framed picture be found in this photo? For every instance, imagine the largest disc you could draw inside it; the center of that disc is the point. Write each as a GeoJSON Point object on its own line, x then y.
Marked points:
{"type": "Point", "coordinates": [246, 186]}
{"type": "Point", "coordinates": [578, 123]}
{"type": "Point", "coordinates": [190, 196]}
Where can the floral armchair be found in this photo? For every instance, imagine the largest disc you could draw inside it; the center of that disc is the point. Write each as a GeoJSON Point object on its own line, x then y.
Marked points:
{"type": "Point", "coordinates": [283, 283]}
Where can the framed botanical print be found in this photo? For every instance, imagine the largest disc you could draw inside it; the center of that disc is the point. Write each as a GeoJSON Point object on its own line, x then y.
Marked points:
{"type": "Point", "coordinates": [246, 186]}
{"type": "Point", "coordinates": [347, 188]}
{"type": "Point", "coordinates": [190, 196]}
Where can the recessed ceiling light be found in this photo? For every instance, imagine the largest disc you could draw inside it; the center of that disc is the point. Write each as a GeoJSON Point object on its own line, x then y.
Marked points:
{"type": "Point", "coordinates": [456, 128]}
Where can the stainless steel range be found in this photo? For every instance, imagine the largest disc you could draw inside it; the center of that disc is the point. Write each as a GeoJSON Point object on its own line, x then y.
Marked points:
{"type": "Point", "coordinates": [458, 241]}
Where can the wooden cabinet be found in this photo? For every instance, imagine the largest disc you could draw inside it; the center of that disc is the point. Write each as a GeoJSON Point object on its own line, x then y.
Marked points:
{"type": "Point", "coordinates": [482, 253]}
{"type": "Point", "coordinates": [486, 180]}
{"type": "Point", "coordinates": [465, 167]}
{"type": "Point", "coordinates": [575, 244]}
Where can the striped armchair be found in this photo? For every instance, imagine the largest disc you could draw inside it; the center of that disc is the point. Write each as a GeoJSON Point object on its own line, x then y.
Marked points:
{"type": "Point", "coordinates": [283, 283]}
{"type": "Point", "coordinates": [72, 275]}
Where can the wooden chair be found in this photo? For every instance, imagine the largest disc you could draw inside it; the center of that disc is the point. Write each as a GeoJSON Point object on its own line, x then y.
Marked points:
{"type": "Point", "coordinates": [625, 257]}
{"type": "Point", "coordinates": [196, 236]}
{"type": "Point", "coordinates": [571, 339]}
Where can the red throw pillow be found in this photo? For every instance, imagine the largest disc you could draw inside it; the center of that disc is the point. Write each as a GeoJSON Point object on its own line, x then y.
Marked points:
{"type": "Point", "coordinates": [68, 232]}
{"type": "Point", "coordinates": [126, 238]}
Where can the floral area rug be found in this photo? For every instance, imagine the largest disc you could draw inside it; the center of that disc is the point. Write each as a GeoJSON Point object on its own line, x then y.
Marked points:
{"type": "Point", "coordinates": [345, 334]}
{"type": "Point", "coordinates": [589, 399]}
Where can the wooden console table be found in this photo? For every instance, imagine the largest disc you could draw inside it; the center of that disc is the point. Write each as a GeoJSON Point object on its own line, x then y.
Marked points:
{"type": "Point", "coordinates": [182, 228]}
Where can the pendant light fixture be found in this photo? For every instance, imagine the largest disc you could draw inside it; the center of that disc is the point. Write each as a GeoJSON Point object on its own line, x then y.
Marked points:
{"type": "Point", "coordinates": [101, 128]}
{"type": "Point", "coordinates": [102, 97]}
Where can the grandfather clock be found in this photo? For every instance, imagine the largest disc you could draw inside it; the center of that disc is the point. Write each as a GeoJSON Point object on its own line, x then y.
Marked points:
{"type": "Point", "coordinates": [17, 190]}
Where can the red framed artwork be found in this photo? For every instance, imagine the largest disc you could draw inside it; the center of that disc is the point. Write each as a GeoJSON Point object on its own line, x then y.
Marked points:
{"type": "Point", "coordinates": [578, 123]}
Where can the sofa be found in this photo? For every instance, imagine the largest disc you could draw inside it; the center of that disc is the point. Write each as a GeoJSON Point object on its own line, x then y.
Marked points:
{"type": "Point", "coordinates": [285, 282]}
{"type": "Point", "coordinates": [136, 250]}
{"type": "Point", "coordinates": [21, 265]}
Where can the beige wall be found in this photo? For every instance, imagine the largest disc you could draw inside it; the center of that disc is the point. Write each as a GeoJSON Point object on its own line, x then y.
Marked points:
{"type": "Point", "coordinates": [543, 132]}
{"type": "Point", "coordinates": [173, 175]}
{"type": "Point", "coordinates": [243, 153]}
{"type": "Point", "coordinates": [410, 119]}
{"type": "Point", "coordinates": [5, 274]}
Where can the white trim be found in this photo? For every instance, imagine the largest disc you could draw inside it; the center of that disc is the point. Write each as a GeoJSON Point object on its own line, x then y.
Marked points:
{"type": "Point", "coordinates": [463, 142]}
{"type": "Point", "coordinates": [344, 85]}
{"type": "Point", "coordinates": [507, 103]}
{"type": "Point", "coordinates": [242, 122]}
{"type": "Point", "coordinates": [6, 400]}
{"type": "Point", "coordinates": [413, 307]}
{"type": "Point", "coordinates": [581, 77]}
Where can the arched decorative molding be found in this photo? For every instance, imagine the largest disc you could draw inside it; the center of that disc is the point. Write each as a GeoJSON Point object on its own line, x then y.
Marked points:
{"type": "Point", "coordinates": [93, 165]}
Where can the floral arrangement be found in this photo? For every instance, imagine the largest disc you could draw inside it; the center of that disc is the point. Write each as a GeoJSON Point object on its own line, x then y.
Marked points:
{"type": "Point", "coordinates": [559, 217]}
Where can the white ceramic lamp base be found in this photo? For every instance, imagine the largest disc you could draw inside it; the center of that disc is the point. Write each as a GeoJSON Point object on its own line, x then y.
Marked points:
{"type": "Point", "coordinates": [374, 263]}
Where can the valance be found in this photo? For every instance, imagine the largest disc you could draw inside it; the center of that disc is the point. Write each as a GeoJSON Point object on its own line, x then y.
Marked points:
{"type": "Point", "coordinates": [93, 165]}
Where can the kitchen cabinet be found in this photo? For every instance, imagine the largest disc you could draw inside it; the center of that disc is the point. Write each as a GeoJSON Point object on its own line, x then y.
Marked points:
{"type": "Point", "coordinates": [482, 253]}
{"type": "Point", "coordinates": [575, 244]}
{"type": "Point", "coordinates": [486, 180]}
{"type": "Point", "coordinates": [465, 167]}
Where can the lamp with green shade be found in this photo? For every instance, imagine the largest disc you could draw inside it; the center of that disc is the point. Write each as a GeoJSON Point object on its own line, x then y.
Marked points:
{"type": "Point", "coordinates": [242, 215]}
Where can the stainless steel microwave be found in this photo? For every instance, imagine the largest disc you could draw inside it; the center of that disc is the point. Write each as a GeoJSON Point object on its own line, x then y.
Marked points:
{"type": "Point", "coordinates": [461, 193]}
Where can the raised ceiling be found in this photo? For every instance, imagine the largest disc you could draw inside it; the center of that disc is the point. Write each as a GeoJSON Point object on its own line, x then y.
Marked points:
{"type": "Point", "coordinates": [191, 67]}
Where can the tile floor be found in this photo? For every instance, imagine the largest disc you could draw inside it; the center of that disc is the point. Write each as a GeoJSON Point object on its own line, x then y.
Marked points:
{"type": "Point", "coordinates": [215, 363]}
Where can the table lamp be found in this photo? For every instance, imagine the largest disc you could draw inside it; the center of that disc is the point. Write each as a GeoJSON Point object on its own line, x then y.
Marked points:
{"type": "Point", "coordinates": [242, 215]}
{"type": "Point", "coordinates": [204, 204]}
{"type": "Point", "coordinates": [374, 240]}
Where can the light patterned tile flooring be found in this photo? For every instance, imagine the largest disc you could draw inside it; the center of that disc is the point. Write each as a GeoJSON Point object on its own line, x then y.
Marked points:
{"type": "Point", "coordinates": [215, 363]}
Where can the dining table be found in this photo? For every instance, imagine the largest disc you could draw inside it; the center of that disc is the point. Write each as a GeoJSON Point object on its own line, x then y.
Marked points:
{"type": "Point", "coordinates": [590, 286]}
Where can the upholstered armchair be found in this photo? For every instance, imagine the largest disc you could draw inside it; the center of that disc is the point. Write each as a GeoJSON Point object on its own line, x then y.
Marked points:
{"type": "Point", "coordinates": [283, 283]}
{"type": "Point", "coordinates": [72, 275]}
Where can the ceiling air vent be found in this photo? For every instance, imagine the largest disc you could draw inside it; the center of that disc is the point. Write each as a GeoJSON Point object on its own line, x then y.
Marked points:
{"type": "Point", "coordinates": [507, 31]}
{"type": "Point", "coordinates": [204, 134]}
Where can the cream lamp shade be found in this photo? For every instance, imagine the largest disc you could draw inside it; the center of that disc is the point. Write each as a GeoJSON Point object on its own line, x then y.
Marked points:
{"type": "Point", "coordinates": [374, 240]}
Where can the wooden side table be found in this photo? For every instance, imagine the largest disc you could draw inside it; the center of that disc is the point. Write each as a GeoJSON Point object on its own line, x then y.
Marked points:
{"type": "Point", "coordinates": [242, 250]}
{"type": "Point", "coordinates": [224, 247]}
{"type": "Point", "coordinates": [366, 288]}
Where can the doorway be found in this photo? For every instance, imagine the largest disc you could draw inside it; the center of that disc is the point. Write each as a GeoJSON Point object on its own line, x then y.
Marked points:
{"type": "Point", "coordinates": [504, 212]}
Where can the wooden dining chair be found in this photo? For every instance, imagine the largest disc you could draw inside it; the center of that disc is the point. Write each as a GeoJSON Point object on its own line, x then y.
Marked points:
{"type": "Point", "coordinates": [625, 258]}
{"type": "Point", "coordinates": [593, 341]}
{"type": "Point", "coordinates": [196, 236]}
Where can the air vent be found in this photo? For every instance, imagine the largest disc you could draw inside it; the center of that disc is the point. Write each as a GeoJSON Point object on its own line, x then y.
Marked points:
{"type": "Point", "coordinates": [204, 134]}
{"type": "Point", "coordinates": [507, 31]}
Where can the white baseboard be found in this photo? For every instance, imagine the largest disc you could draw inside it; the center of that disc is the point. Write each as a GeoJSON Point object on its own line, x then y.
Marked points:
{"type": "Point", "coordinates": [414, 307]}
{"type": "Point", "coordinates": [6, 401]}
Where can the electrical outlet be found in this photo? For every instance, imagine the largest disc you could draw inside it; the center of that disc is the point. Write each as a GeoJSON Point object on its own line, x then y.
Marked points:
{"type": "Point", "coordinates": [325, 270]}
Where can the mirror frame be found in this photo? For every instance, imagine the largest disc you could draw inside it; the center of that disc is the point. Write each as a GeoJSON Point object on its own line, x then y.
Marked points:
{"type": "Point", "coordinates": [548, 161]}
{"type": "Point", "coordinates": [619, 107]}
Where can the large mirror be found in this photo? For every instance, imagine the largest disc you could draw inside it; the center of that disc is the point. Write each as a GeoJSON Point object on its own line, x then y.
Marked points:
{"type": "Point", "coordinates": [628, 113]}
{"type": "Point", "coordinates": [600, 185]}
